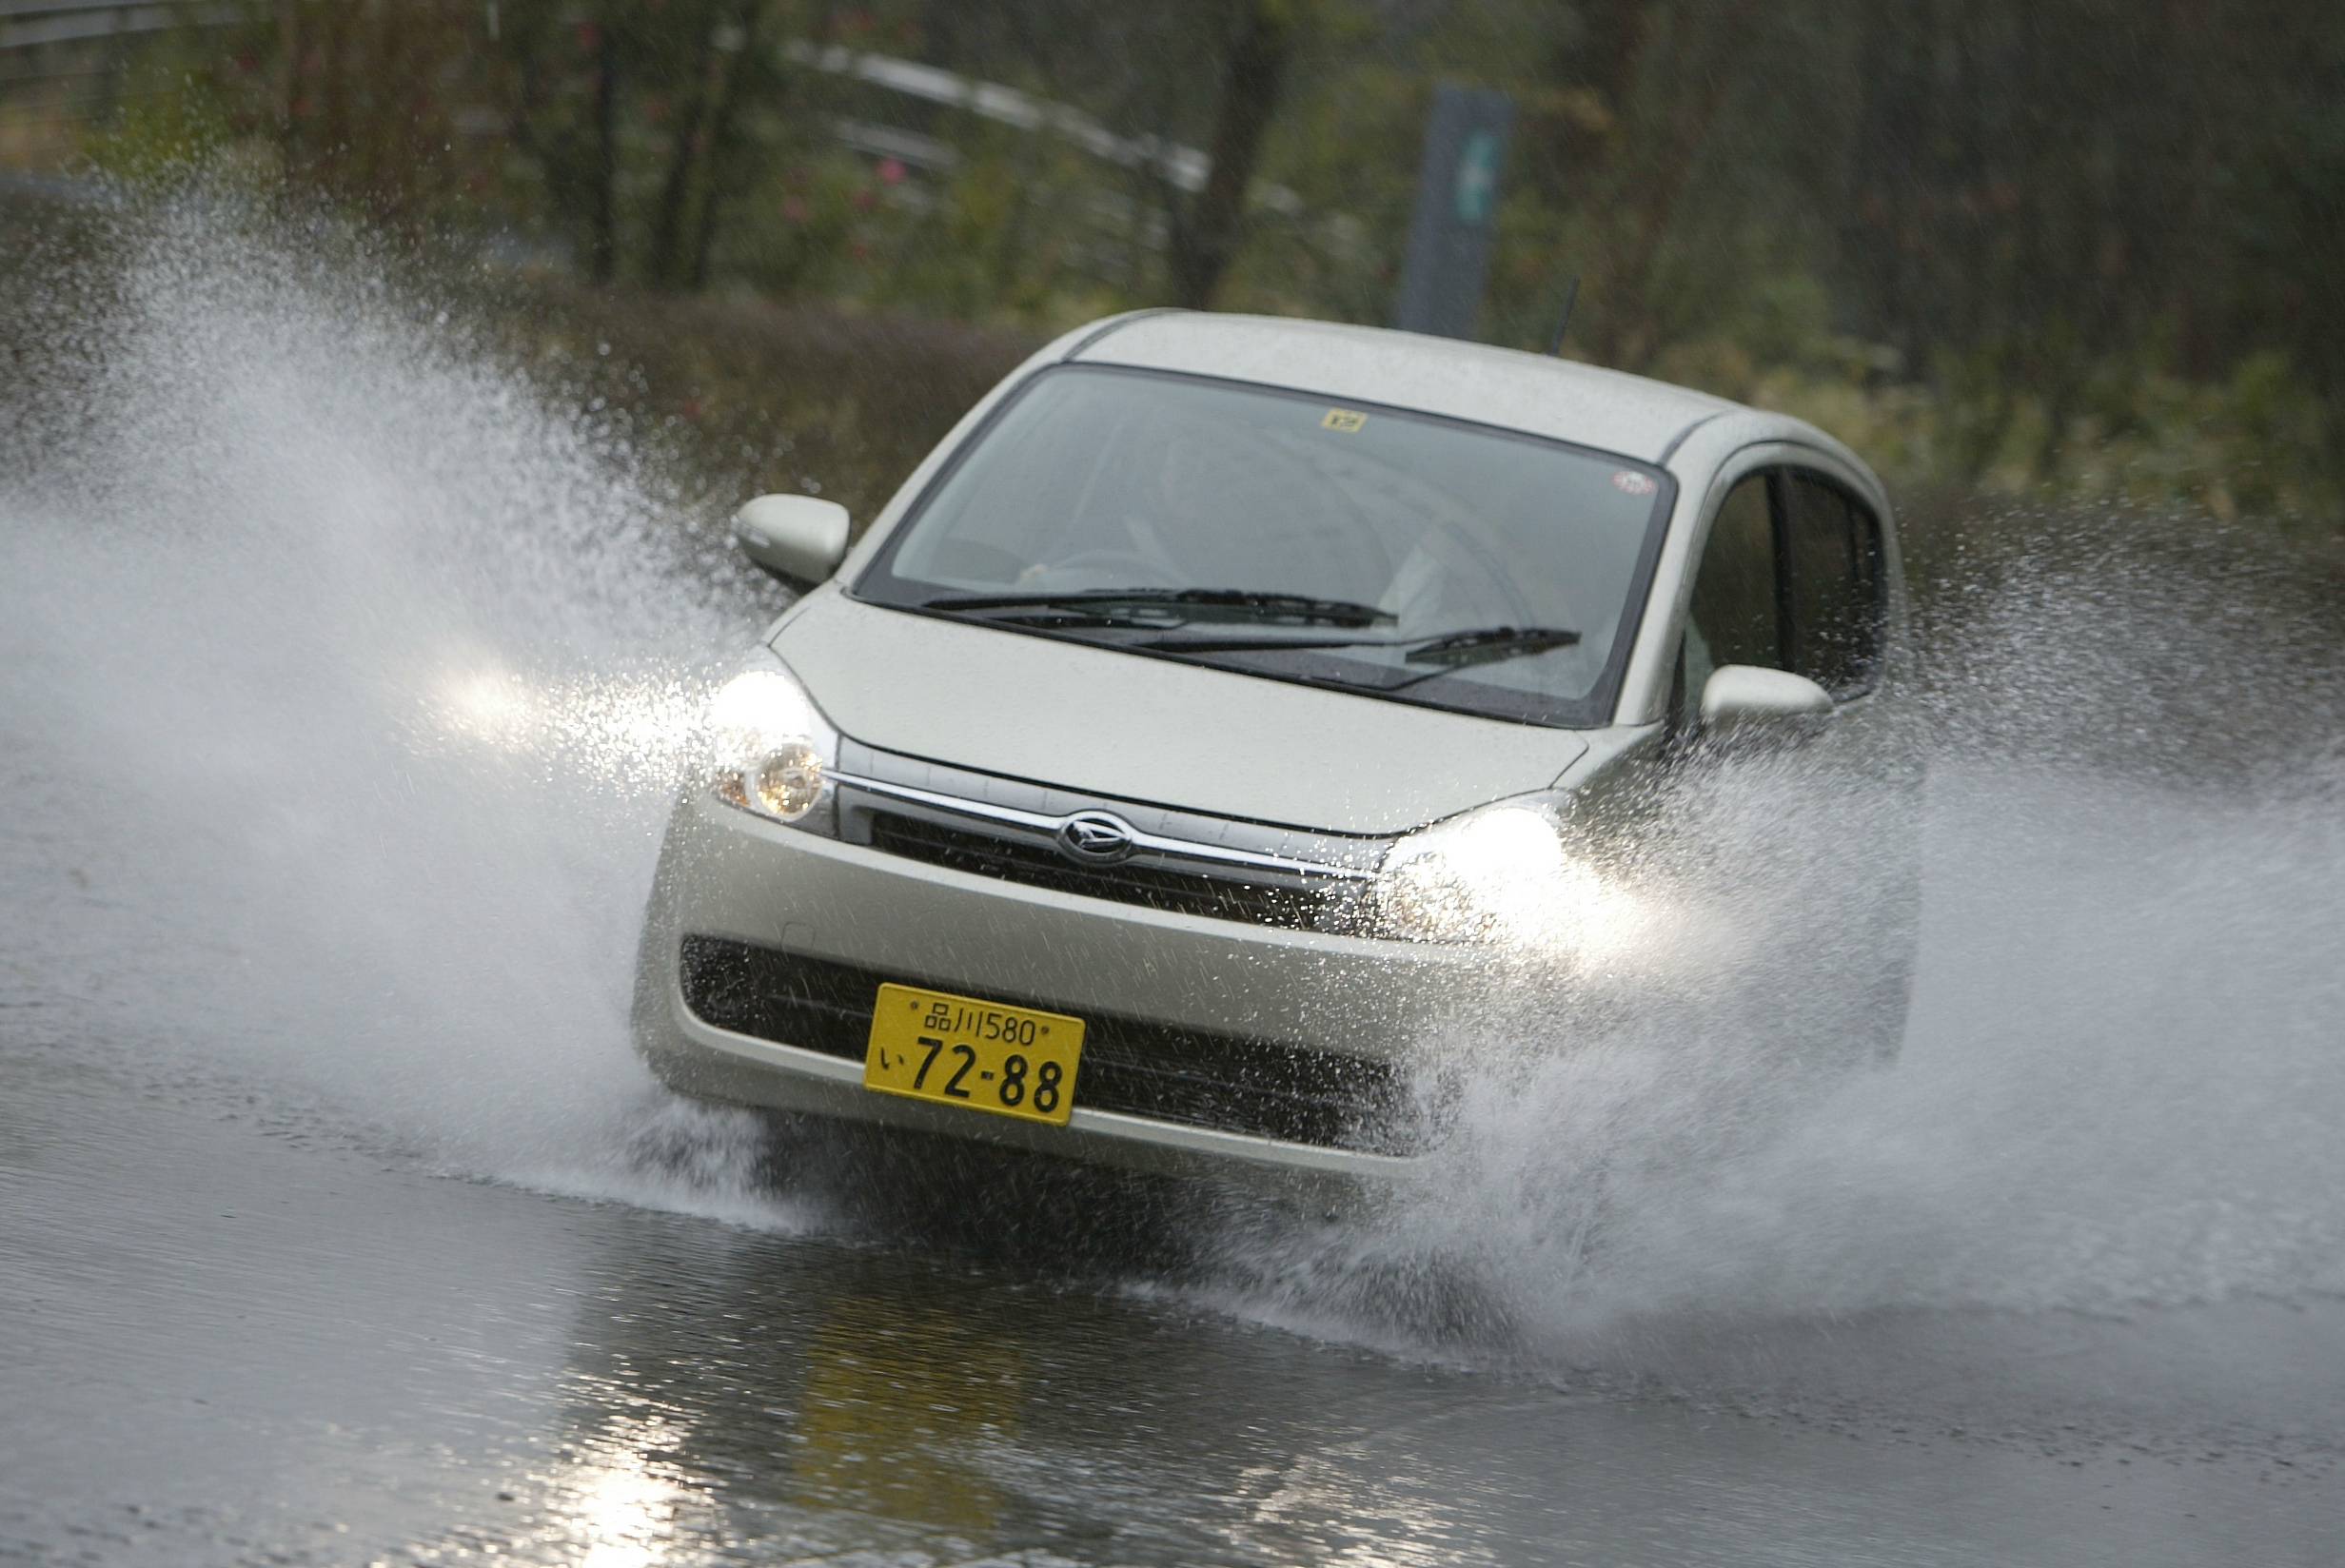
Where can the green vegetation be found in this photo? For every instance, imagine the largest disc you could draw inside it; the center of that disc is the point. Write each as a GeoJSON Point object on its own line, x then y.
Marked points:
{"type": "Point", "coordinates": [2042, 249]}
{"type": "Point", "coordinates": [737, 396]}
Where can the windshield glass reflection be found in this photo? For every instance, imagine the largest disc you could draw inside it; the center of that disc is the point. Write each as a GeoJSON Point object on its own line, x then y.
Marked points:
{"type": "Point", "coordinates": [1285, 534]}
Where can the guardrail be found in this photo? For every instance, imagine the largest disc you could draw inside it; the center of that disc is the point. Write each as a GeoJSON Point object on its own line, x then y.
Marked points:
{"type": "Point", "coordinates": [31, 28]}
{"type": "Point", "coordinates": [34, 24]}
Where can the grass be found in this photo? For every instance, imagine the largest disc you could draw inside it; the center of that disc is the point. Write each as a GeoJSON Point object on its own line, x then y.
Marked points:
{"type": "Point", "coordinates": [740, 396]}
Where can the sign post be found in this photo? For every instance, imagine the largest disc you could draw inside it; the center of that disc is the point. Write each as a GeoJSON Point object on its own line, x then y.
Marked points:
{"type": "Point", "coordinates": [1457, 200]}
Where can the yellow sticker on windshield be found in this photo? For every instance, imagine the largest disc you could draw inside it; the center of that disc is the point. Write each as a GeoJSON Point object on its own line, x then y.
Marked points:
{"type": "Point", "coordinates": [1345, 420]}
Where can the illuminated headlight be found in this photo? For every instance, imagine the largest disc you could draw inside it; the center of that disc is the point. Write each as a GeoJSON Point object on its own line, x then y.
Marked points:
{"type": "Point", "coordinates": [770, 750]}
{"type": "Point", "coordinates": [1500, 874]}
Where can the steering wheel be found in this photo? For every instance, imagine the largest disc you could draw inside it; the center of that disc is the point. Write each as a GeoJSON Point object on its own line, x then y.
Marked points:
{"type": "Point", "coordinates": [1153, 573]}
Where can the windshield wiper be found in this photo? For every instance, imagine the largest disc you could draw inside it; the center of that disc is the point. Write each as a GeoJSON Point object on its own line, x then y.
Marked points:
{"type": "Point", "coordinates": [1447, 653]}
{"type": "Point", "coordinates": [1489, 643]}
{"type": "Point", "coordinates": [1169, 609]}
{"type": "Point", "coordinates": [1454, 651]}
{"type": "Point", "coordinates": [1450, 650]}
{"type": "Point", "coordinates": [1098, 606]}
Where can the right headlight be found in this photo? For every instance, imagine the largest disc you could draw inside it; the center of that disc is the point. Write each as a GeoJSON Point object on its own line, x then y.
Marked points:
{"type": "Point", "coordinates": [770, 750]}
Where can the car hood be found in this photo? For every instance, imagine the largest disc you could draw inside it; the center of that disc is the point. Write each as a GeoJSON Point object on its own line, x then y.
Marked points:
{"type": "Point", "coordinates": [1102, 722]}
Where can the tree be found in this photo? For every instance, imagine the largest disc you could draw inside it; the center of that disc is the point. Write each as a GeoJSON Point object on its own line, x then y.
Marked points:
{"type": "Point", "coordinates": [1205, 236]}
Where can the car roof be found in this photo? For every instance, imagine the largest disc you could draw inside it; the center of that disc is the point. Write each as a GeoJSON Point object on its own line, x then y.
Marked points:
{"type": "Point", "coordinates": [1533, 393]}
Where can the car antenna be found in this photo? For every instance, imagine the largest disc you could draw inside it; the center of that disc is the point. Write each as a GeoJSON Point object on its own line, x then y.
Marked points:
{"type": "Point", "coordinates": [1571, 297]}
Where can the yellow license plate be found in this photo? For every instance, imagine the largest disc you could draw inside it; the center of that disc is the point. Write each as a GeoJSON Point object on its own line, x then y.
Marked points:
{"type": "Point", "coordinates": [957, 1051]}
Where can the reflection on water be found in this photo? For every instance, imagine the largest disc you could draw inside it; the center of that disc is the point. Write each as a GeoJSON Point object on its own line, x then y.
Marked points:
{"type": "Point", "coordinates": [624, 1497]}
{"type": "Point", "coordinates": [737, 1394]}
{"type": "Point", "coordinates": [897, 1402]}
{"type": "Point", "coordinates": [732, 1396]}
{"type": "Point", "coordinates": [732, 1392]}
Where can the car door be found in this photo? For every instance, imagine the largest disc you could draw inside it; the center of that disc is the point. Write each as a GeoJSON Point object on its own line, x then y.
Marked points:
{"type": "Point", "coordinates": [1795, 575]}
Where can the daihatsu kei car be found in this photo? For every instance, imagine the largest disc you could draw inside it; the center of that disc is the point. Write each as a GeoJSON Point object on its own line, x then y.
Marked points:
{"type": "Point", "coordinates": [1144, 781]}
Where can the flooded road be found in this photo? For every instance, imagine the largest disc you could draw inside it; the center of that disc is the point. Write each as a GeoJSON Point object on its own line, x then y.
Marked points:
{"type": "Point", "coordinates": [343, 686]}
{"type": "Point", "coordinates": [234, 1335]}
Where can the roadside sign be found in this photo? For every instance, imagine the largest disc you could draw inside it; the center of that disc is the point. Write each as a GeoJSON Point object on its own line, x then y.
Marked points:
{"type": "Point", "coordinates": [1457, 199]}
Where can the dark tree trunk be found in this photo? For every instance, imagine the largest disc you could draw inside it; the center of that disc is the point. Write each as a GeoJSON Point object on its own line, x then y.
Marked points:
{"type": "Point", "coordinates": [1207, 237]}
{"type": "Point", "coordinates": [285, 83]}
{"type": "Point", "coordinates": [688, 154]}
{"type": "Point", "coordinates": [1652, 160]}
{"type": "Point", "coordinates": [723, 148]}
{"type": "Point", "coordinates": [602, 237]}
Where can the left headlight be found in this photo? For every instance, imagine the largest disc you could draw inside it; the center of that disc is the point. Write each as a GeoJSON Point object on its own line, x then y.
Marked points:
{"type": "Point", "coordinates": [770, 750]}
{"type": "Point", "coordinates": [1495, 874]}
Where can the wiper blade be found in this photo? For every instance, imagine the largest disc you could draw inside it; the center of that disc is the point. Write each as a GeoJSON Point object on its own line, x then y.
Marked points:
{"type": "Point", "coordinates": [1454, 651]}
{"type": "Point", "coordinates": [1489, 643]}
{"type": "Point", "coordinates": [1481, 646]}
{"type": "Point", "coordinates": [1449, 650]}
{"type": "Point", "coordinates": [1259, 644]}
{"type": "Point", "coordinates": [1300, 607]}
{"type": "Point", "coordinates": [1247, 604]}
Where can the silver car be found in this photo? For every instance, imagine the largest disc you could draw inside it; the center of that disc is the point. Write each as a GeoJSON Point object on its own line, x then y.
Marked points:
{"type": "Point", "coordinates": [1187, 735]}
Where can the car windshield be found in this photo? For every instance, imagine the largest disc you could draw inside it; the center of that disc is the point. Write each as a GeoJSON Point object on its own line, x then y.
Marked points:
{"type": "Point", "coordinates": [1387, 553]}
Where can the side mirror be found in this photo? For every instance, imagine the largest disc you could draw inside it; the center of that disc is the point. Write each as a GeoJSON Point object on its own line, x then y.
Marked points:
{"type": "Point", "coordinates": [1743, 697]}
{"type": "Point", "coordinates": [798, 538]}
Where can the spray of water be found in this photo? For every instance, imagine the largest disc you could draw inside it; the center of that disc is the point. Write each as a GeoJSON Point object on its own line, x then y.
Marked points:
{"type": "Point", "coordinates": [2119, 1087]}
{"type": "Point", "coordinates": [346, 682]}
{"type": "Point", "coordinates": [349, 682]}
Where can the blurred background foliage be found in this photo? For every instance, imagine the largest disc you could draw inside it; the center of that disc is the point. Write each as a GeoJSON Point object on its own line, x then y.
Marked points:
{"type": "Point", "coordinates": [2069, 249]}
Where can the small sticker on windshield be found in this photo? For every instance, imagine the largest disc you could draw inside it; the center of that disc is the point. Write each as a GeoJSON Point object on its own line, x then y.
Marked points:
{"type": "Point", "coordinates": [1631, 483]}
{"type": "Point", "coordinates": [1346, 420]}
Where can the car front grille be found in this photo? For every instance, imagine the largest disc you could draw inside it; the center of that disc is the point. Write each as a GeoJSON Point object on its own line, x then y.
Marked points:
{"type": "Point", "coordinates": [1161, 1072]}
{"type": "Point", "coordinates": [1217, 897]}
{"type": "Point", "coordinates": [1178, 861]}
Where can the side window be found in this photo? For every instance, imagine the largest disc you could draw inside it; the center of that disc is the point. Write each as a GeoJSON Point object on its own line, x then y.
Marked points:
{"type": "Point", "coordinates": [1737, 609]}
{"type": "Point", "coordinates": [1832, 546]}
{"type": "Point", "coordinates": [1791, 579]}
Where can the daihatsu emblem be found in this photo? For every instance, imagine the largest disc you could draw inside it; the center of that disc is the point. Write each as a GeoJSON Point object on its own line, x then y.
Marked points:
{"type": "Point", "coordinates": [1094, 836]}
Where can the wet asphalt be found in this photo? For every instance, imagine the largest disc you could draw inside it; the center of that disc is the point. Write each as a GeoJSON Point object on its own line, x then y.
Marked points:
{"type": "Point", "coordinates": [234, 1331]}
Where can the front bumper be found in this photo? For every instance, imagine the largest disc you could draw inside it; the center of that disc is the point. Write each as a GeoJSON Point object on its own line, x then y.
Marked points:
{"type": "Point", "coordinates": [726, 874]}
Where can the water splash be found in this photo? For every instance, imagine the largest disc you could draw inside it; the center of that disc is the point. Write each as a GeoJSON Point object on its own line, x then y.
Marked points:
{"type": "Point", "coordinates": [2119, 1087]}
{"type": "Point", "coordinates": [346, 678]}
{"type": "Point", "coordinates": [352, 677]}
